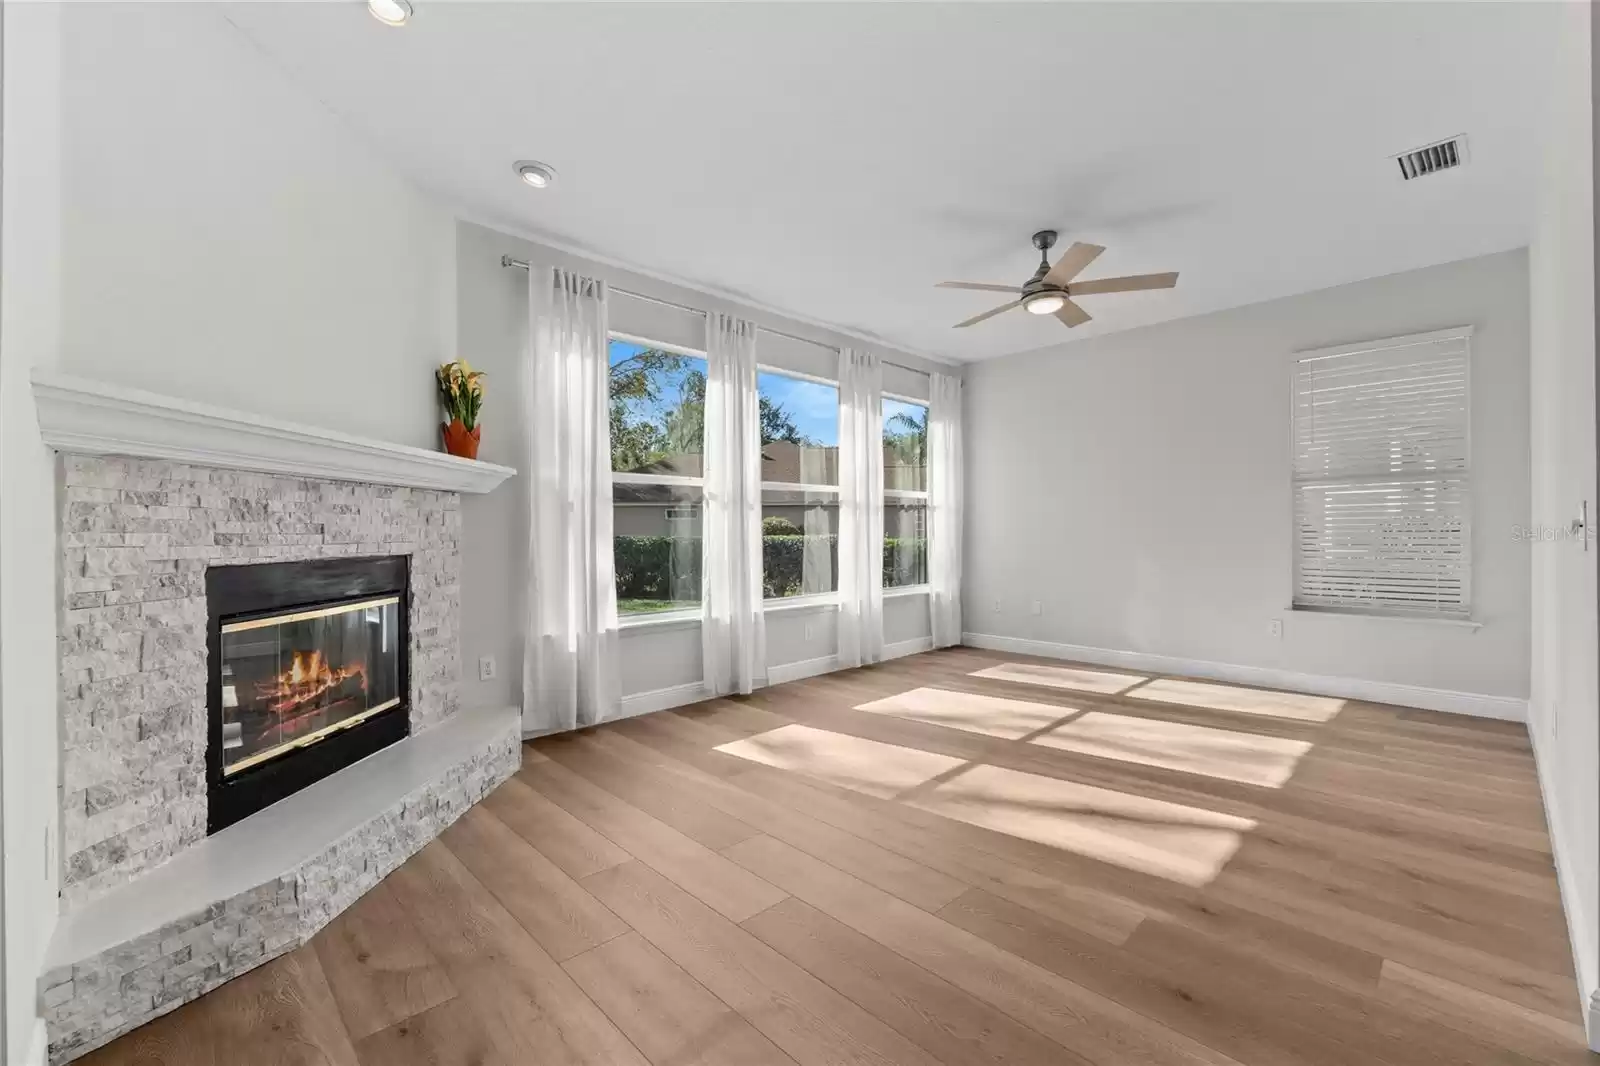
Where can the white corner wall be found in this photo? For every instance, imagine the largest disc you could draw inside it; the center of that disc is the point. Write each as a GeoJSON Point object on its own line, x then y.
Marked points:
{"type": "Point", "coordinates": [1563, 710]}
{"type": "Point", "coordinates": [1136, 485]}
{"type": "Point", "coordinates": [226, 238]}
{"type": "Point", "coordinates": [30, 299]}
{"type": "Point", "coordinates": [661, 664]}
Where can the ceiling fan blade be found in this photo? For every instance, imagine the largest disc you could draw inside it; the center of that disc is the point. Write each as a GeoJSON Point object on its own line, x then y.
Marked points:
{"type": "Point", "coordinates": [1072, 262]}
{"type": "Point", "coordinates": [975, 319]}
{"type": "Point", "coordinates": [978, 285]}
{"type": "Point", "coordinates": [1072, 314]}
{"type": "Point", "coordinates": [1132, 283]}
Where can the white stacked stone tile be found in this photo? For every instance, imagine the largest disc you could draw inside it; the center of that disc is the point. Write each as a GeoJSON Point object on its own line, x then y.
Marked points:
{"type": "Point", "coordinates": [137, 537]}
{"type": "Point", "coordinates": [94, 1000]}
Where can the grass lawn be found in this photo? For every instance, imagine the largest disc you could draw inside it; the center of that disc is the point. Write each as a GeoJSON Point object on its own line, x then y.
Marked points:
{"type": "Point", "coordinates": [625, 607]}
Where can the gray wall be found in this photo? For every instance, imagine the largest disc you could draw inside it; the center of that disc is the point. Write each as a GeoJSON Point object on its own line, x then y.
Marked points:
{"type": "Point", "coordinates": [1137, 485]}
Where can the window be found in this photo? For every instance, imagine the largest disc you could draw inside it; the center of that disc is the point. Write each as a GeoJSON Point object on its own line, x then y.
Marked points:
{"type": "Point", "coordinates": [799, 485]}
{"type": "Point", "coordinates": [1381, 476]}
{"type": "Point", "coordinates": [657, 402]}
{"type": "Point", "coordinates": [905, 493]}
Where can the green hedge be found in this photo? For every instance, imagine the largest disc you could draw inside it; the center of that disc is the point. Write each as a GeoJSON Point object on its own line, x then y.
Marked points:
{"type": "Point", "coordinates": [645, 564]}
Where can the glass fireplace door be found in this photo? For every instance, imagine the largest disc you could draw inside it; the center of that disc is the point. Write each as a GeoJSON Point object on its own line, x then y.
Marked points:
{"type": "Point", "coordinates": [291, 679]}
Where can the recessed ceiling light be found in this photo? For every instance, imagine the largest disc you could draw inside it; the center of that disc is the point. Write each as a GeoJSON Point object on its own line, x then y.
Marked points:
{"type": "Point", "coordinates": [1046, 303]}
{"type": "Point", "coordinates": [390, 12]}
{"type": "Point", "coordinates": [539, 175]}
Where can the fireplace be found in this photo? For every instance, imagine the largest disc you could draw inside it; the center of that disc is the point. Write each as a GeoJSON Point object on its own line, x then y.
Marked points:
{"type": "Point", "coordinates": [308, 673]}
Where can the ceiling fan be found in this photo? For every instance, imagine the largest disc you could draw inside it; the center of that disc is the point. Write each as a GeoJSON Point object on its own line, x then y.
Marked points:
{"type": "Point", "coordinates": [1051, 289]}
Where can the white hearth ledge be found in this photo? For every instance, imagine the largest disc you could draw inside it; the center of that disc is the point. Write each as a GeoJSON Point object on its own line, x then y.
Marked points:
{"type": "Point", "coordinates": [266, 884]}
{"type": "Point", "coordinates": [95, 418]}
{"type": "Point", "coordinates": [276, 840]}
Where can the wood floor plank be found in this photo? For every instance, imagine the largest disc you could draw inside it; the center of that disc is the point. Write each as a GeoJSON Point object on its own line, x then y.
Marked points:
{"type": "Point", "coordinates": [638, 896]}
{"type": "Point", "coordinates": [1067, 677]}
{"type": "Point", "coordinates": [1239, 699]}
{"type": "Point", "coordinates": [811, 1022]}
{"type": "Point", "coordinates": [381, 972]}
{"type": "Point", "coordinates": [1533, 1033]}
{"type": "Point", "coordinates": [892, 872]}
{"type": "Point", "coordinates": [513, 997]}
{"type": "Point", "coordinates": [1096, 1028]}
{"type": "Point", "coordinates": [280, 1014]}
{"type": "Point", "coordinates": [994, 716]}
{"type": "Point", "coordinates": [865, 766]}
{"type": "Point", "coordinates": [666, 1013]}
{"type": "Point", "coordinates": [578, 850]}
{"type": "Point", "coordinates": [714, 828]}
{"type": "Point", "coordinates": [1225, 753]}
{"type": "Point", "coordinates": [946, 1022]}
{"type": "Point", "coordinates": [559, 912]}
{"type": "Point", "coordinates": [731, 891]}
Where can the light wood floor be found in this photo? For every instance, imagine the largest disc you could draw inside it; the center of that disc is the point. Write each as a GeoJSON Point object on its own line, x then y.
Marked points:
{"type": "Point", "coordinates": [1051, 868]}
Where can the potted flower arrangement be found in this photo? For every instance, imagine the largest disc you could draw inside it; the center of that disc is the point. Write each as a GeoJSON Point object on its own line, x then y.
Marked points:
{"type": "Point", "coordinates": [461, 396]}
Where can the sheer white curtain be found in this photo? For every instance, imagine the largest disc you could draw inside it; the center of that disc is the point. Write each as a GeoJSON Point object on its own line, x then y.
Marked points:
{"type": "Point", "coordinates": [860, 508]}
{"type": "Point", "coordinates": [733, 631]}
{"type": "Point", "coordinates": [945, 509]}
{"type": "Point", "coordinates": [569, 671]}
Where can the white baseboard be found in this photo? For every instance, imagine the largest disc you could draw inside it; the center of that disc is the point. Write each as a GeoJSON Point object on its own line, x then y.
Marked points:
{"type": "Point", "coordinates": [907, 647]}
{"type": "Point", "coordinates": [662, 699]}
{"type": "Point", "coordinates": [1505, 708]}
{"type": "Point", "coordinates": [1578, 916]}
{"type": "Point", "coordinates": [784, 672]}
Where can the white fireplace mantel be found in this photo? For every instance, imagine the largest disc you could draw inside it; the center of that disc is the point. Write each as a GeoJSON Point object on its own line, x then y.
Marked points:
{"type": "Point", "coordinates": [95, 418]}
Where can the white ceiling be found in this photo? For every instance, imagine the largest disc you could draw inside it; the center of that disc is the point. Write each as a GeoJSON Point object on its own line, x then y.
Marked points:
{"type": "Point", "coordinates": [835, 160]}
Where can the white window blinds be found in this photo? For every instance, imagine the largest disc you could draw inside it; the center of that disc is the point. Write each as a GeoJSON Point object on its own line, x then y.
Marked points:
{"type": "Point", "coordinates": [1382, 481]}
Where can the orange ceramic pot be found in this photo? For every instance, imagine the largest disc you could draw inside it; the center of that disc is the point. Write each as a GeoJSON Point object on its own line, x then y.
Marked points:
{"type": "Point", "coordinates": [458, 440]}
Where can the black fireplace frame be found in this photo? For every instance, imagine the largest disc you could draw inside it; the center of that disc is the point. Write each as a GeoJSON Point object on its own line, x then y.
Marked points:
{"type": "Point", "coordinates": [240, 593]}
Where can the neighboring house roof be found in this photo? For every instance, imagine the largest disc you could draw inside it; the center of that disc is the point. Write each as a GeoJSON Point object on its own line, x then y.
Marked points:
{"type": "Point", "coordinates": [792, 463]}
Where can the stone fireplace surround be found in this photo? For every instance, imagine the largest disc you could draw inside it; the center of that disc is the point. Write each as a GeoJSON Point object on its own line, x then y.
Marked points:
{"type": "Point", "coordinates": [152, 492]}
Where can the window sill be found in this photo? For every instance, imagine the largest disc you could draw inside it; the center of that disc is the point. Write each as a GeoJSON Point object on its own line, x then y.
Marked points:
{"type": "Point", "coordinates": [826, 602]}
{"type": "Point", "coordinates": [1374, 616]}
{"type": "Point", "coordinates": [657, 622]}
{"type": "Point", "coordinates": [906, 590]}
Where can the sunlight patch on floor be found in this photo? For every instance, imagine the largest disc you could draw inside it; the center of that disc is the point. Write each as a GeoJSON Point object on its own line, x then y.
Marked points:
{"type": "Point", "coordinates": [1169, 840]}
{"type": "Point", "coordinates": [1070, 677]}
{"type": "Point", "coordinates": [967, 711]}
{"type": "Point", "coordinates": [1193, 749]}
{"type": "Point", "coordinates": [866, 766]}
{"type": "Point", "coordinates": [1241, 700]}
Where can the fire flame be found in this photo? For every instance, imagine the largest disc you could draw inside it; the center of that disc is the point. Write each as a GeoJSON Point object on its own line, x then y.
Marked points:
{"type": "Point", "coordinates": [308, 677]}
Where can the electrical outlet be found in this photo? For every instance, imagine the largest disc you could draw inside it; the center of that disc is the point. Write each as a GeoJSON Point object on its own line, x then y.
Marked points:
{"type": "Point", "coordinates": [1275, 627]}
{"type": "Point", "coordinates": [996, 606]}
{"type": "Point", "coordinates": [1038, 607]}
{"type": "Point", "coordinates": [486, 668]}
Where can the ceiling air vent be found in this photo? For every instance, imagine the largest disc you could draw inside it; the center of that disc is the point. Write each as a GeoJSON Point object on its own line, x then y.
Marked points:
{"type": "Point", "coordinates": [1442, 155]}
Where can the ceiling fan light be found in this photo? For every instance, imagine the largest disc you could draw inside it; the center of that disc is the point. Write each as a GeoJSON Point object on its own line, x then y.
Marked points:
{"type": "Point", "coordinates": [1045, 303]}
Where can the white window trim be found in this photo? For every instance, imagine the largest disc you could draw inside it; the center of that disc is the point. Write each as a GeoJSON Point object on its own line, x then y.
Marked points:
{"type": "Point", "coordinates": [1464, 619]}
{"type": "Point", "coordinates": [1454, 621]}
{"type": "Point", "coordinates": [907, 590]}
{"type": "Point", "coordinates": [646, 342]}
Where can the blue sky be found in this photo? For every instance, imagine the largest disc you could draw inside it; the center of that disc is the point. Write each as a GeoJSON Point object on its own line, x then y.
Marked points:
{"type": "Point", "coordinates": [812, 406]}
